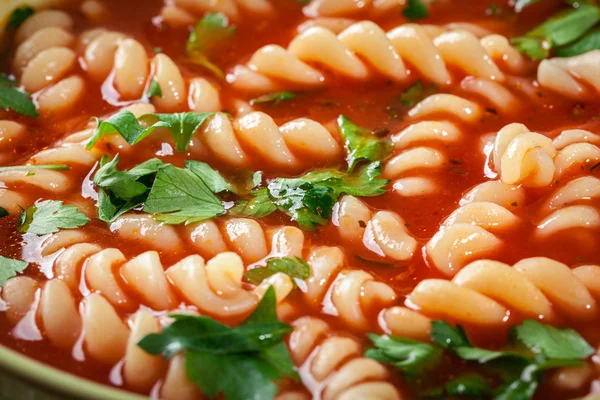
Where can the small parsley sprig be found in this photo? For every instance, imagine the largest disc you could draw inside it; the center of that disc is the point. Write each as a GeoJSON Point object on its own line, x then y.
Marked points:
{"type": "Point", "coordinates": [240, 362]}
{"type": "Point", "coordinates": [534, 348]}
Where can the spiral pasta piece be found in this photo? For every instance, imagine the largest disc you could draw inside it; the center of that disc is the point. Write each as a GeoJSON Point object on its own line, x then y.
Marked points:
{"type": "Point", "coordinates": [335, 364]}
{"type": "Point", "coordinates": [363, 47]}
{"type": "Point", "coordinates": [523, 157]}
{"type": "Point", "coordinates": [384, 233]}
{"type": "Point", "coordinates": [96, 321]}
{"type": "Point", "coordinates": [244, 236]}
{"type": "Point", "coordinates": [126, 69]}
{"type": "Point", "coordinates": [349, 294]}
{"type": "Point", "coordinates": [415, 158]}
{"type": "Point", "coordinates": [472, 231]}
{"type": "Point", "coordinates": [540, 288]}
{"type": "Point", "coordinates": [297, 143]}
{"type": "Point", "coordinates": [186, 12]}
{"type": "Point", "coordinates": [45, 62]}
{"type": "Point", "coordinates": [573, 77]}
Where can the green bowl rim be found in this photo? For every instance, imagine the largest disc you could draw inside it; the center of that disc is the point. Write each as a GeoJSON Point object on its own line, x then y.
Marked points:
{"type": "Point", "coordinates": [57, 380]}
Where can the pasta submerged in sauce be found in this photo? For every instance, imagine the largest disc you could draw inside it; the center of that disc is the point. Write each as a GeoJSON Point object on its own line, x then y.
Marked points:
{"type": "Point", "coordinates": [489, 218]}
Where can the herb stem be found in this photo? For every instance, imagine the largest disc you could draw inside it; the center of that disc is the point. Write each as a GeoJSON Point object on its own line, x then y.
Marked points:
{"type": "Point", "coordinates": [54, 167]}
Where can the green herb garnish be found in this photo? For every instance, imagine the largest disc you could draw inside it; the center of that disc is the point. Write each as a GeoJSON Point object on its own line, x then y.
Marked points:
{"type": "Point", "coordinates": [154, 89]}
{"type": "Point", "coordinates": [292, 267]}
{"type": "Point", "coordinates": [52, 167]}
{"type": "Point", "coordinates": [209, 35]}
{"type": "Point", "coordinates": [9, 268]}
{"type": "Point", "coordinates": [18, 16]}
{"type": "Point", "coordinates": [15, 99]}
{"type": "Point", "coordinates": [361, 144]}
{"type": "Point", "coordinates": [240, 362]}
{"type": "Point", "coordinates": [49, 216]}
{"type": "Point", "coordinates": [274, 98]}
{"type": "Point", "coordinates": [414, 10]}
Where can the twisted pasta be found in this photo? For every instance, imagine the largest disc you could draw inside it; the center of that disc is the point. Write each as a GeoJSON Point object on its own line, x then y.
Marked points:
{"type": "Point", "coordinates": [214, 287]}
{"type": "Point", "coordinates": [383, 233]}
{"type": "Point", "coordinates": [573, 77]}
{"type": "Point", "coordinates": [384, 52]}
{"type": "Point", "coordinates": [523, 157]}
{"type": "Point", "coordinates": [125, 63]}
{"type": "Point", "coordinates": [472, 230]}
{"type": "Point", "coordinates": [349, 294]}
{"type": "Point", "coordinates": [45, 62]}
{"type": "Point", "coordinates": [414, 159]}
{"type": "Point", "coordinates": [300, 142]}
{"type": "Point", "coordinates": [186, 12]}
{"type": "Point", "coordinates": [244, 236]}
{"type": "Point", "coordinates": [71, 151]}
{"type": "Point", "coordinates": [11, 135]}
{"type": "Point", "coordinates": [334, 364]}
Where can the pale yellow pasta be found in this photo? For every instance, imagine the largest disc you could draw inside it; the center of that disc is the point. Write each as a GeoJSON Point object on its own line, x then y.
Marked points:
{"type": "Point", "coordinates": [290, 145]}
{"type": "Point", "coordinates": [573, 77]}
{"type": "Point", "coordinates": [416, 158]}
{"type": "Point", "coordinates": [335, 364]}
{"type": "Point", "coordinates": [349, 294]}
{"type": "Point", "coordinates": [364, 46]}
{"type": "Point", "coordinates": [523, 157]}
{"type": "Point", "coordinates": [384, 233]}
{"type": "Point", "coordinates": [186, 12]}
{"type": "Point", "coordinates": [540, 288]}
{"type": "Point", "coordinates": [244, 236]}
{"type": "Point", "coordinates": [474, 230]}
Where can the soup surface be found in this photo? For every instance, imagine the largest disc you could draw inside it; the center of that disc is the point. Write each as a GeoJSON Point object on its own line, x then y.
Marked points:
{"type": "Point", "coordinates": [412, 193]}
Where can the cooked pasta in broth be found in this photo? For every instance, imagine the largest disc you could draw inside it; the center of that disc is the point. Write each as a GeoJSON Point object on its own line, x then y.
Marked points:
{"type": "Point", "coordinates": [304, 199]}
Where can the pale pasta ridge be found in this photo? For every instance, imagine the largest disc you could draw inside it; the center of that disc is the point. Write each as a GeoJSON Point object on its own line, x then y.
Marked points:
{"type": "Point", "coordinates": [427, 51]}
{"type": "Point", "coordinates": [573, 77]}
{"type": "Point", "coordinates": [334, 363]}
{"type": "Point", "coordinates": [540, 288]}
{"type": "Point", "coordinates": [476, 228]}
{"type": "Point", "coordinates": [186, 12]}
{"type": "Point", "coordinates": [243, 236]}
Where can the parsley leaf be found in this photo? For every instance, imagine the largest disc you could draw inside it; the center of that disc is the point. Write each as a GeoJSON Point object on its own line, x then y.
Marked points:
{"type": "Point", "coordinates": [178, 195]}
{"type": "Point", "coordinates": [3, 212]}
{"type": "Point", "coordinates": [15, 99]}
{"type": "Point", "coordinates": [209, 36]}
{"type": "Point", "coordinates": [9, 267]}
{"type": "Point", "coordinates": [468, 385]}
{"type": "Point", "coordinates": [259, 206]}
{"type": "Point", "coordinates": [18, 16]}
{"type": "Point", "coordinates": [447, 336]}
{"type": "Point", "coordinates": [212, 178]}
{"type": "Point", "coordinates": [415, 9]}
{"type": "Point", "coordinates": [561, 344]}
{"type": "Point", "coordinates": [53, 167]}
{"type": "Point", "coordinates": [590, 41]}
{"type": "Point", "coordinates": [562, 29]}
{"type": "Point", "coordinates": [240, 362]}
{"type": "Point", "coordinates": [122, 191]}
{"type": "Point", "coordinates": [49, 216]}
{"type": "Point", "coordinates": [416, 93]}
{"type": "Point", "coordinates": [154, 89]}
{"type": "Point", "coordinates": [293, 267]}
{"type": "Point", "coordinates": [181, 125]}
{"type": "Point", "coordinates": [309, 199]}
{"type": "Point", "coordinates": [274, 98]}
{"type": "Point", "coordinates": [409, 356]}
{"type": "Point", "coordinates": [361, 144]}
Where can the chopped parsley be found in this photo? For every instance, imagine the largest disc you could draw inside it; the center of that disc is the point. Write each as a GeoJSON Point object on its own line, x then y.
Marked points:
{"type": "Point", "coordinates": [309, 199]}
{"type": "Point", "coordinates": [18, 16]}
{"type": "Point", "coordinates": [416, 93]}
{"type": "Point", "coordinates": [9, 268]}
{"type": "Point", "coordinates": [362, 144]}
{"type": "Point", "coordinates": [209, 36]}
{"type": "Point", "coordinates": [3, 212]}
{"type": "Point", "coordinates": [12, 98]}
{"type": "Point", "coordinates": [534, 348]}
{"type": "Point", "coordinates": [154, 90]}
{"type": "Point", "coordinates": [414, 10]}
{"type": "Point", "coordinates": [274, 98]}
{"type": "Point", "coordinates": [239, 363]}
{"type": "Point", "coordinates": [567, 33]}
{"type": "Point", "coordinates": [182, 127]}
{"type": "Point", "coordinates": [293, 267]}
{"type": "Point", "coordinates": [49, 216]}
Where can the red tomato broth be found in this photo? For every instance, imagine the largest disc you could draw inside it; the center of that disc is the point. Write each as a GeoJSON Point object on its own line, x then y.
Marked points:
{"type": "Point", "coordinates": [372, 104]}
